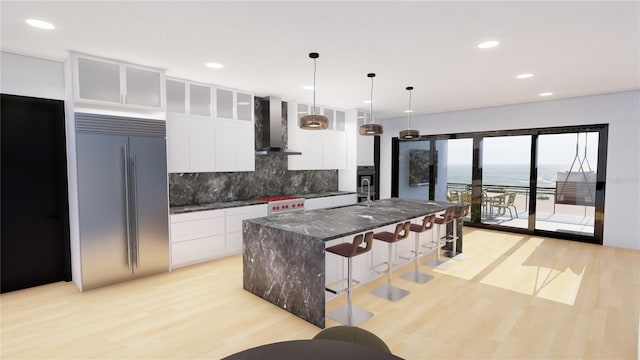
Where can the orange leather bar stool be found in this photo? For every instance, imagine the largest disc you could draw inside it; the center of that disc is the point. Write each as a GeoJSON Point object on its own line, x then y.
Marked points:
{"type": "Point", "coordinates": [348, 314]}
{"type": "Point", "coordinates": [387, 290]}
{"type": "Point", "coordinates": [460, 214]}
{"type": "Point", "coordinates": [441, 221]}
{"type": "Point", "coordinates": [415, 275]}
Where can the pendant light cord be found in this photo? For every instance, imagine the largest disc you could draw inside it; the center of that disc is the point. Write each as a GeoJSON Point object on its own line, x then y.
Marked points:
{"type": "Point", "coordinates": [371, 104]}
{"type": "Point", "coordinates": [409, 113]}
{"type": "Point", "coordinates": [313, 111]}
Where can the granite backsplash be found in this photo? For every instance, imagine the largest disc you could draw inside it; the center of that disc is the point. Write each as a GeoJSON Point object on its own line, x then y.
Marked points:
{"type": "Point", "coordinates": [270, 178]}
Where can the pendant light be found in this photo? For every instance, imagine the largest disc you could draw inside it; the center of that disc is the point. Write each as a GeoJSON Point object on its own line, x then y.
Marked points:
{"type": "Point", "coordinates": [371, 129]}
{"type": "Point", "coordinates": [409, 134]}
{"type": "Point", "coordinates": [313, 121]}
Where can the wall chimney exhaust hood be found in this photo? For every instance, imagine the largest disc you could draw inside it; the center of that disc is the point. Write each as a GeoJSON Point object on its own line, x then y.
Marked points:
{"type": "Point", "coordinates": [272, 128]}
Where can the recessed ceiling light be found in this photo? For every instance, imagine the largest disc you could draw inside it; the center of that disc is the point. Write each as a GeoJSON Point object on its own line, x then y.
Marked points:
{"type": "Point", "coordinates": [308, 87]}
{"type": "Point", "coordinates": [524, 76]}
{"type": "Point", "coordinates": [214, 65]}
{"type": "Point", "coordinates": [243, 103]}
{"type": "Point", "coordinates": [360, 117]}
{"type": "Point", "coordinates": [546, 94]}
{"type": "Point", "coordinates": [488, 44]}
{"type": "Point", "coordinates": [408, 111]}
{"type": "Point", "coordinates": [367, 101]}
{"type": "Point", "coordinates": [40, 24]}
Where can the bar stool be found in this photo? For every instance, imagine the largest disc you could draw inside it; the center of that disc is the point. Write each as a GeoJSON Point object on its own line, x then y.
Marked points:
{"type": "Point", "coordinates": [348, 314]}
{"type": "Point", "coordinates": [389, 291]}
{"type": "Point", "coordinates": [441, 222]}
{"type": "Point", "coordinates": [460, 214]}
{"type": "Point", "coordinates": [415, 275]}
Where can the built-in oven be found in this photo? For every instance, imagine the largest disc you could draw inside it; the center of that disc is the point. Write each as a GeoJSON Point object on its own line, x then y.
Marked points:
{"type": "Point", "coordinates": [366, 177]}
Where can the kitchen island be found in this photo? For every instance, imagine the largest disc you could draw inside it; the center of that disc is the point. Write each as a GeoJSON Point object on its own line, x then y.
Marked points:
{"type": "Point", "coordinates": [284, 254]}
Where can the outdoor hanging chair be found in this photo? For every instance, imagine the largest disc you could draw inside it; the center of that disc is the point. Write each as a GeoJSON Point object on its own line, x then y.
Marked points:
{"type": "Point", "coordinates": [579, 187]}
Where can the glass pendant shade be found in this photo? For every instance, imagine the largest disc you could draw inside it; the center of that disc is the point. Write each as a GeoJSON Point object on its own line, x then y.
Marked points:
{"type": "Point", "coordinates": [371, 129]}
{"type": "Point", "coordinates": [409, 134]}
{"type": "Point", "coordinates": [314, 121]}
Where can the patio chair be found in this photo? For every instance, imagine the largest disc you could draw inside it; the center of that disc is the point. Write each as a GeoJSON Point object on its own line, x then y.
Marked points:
{"type": "Point", "coordinates": [454, 197]}
{"type": "Point", "coordinates": [508, 204]}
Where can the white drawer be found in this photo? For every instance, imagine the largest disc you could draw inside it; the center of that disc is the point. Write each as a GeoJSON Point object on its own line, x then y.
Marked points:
{"type": "Point", "coordinates": [234, 222]}
{"type": "Point", "coordinates": [197, 215]}
{"type": "Point", "coordinates": [344, 200]}
{"type": "Point", "coordinates": [189, 230]}
{"type": "Point", "coordinates": [194, 251]}
{"type": "Point", "coordinates": [247, 209]}
{"type": "Point", "coordinates": [234, 243]}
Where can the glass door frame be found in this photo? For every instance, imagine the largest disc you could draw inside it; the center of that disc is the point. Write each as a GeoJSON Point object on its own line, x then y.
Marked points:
{"type": "Point", "coordinates": [476, 180]}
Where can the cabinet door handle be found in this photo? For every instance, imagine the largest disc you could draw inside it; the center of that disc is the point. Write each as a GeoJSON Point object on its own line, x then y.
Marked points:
{"type": "Point", "coordinates": [126, 203]}
{"type": "Point", "coordinates": [135, 211]}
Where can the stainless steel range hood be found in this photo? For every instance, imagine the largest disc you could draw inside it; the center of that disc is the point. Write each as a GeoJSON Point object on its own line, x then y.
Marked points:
{"type": "Point", "coordinates": [272, 130]}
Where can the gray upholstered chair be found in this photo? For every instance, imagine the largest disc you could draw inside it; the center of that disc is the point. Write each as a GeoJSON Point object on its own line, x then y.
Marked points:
{"type": "Point", "coordinates": [354, 335]}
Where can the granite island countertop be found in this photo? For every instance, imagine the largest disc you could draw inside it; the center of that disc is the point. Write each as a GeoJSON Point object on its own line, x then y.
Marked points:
{"type": "Point", "coordinates": [333, 223]}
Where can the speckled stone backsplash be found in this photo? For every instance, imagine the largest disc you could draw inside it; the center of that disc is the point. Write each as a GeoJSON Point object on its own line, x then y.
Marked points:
{"type": "Point", "coordinates": [270, 178]}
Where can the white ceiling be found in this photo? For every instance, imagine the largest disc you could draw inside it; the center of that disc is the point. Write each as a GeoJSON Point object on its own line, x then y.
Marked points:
{"type": "Point", "coordinates": [573, 48]}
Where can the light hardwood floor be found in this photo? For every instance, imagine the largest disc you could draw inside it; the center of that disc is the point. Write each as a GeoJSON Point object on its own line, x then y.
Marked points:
{"type": "Point", "coordinates": [514, 297]}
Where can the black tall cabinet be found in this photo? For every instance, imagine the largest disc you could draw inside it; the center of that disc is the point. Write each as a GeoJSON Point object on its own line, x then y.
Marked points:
{"type": "Point", "coordinates": [34, 242]}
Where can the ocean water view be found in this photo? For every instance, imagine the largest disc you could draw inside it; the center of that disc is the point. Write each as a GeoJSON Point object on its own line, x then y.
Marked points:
{"type": "Point", "coordinates": [507, 174]}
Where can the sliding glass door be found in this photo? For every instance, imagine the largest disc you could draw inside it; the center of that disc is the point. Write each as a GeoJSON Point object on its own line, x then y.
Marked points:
{"type": "Point", "coordinates": [505, 180]}
{"type": "Point", "coordinates": [547, 181]}
{"type": "Point", "coordinates": [567, 176]}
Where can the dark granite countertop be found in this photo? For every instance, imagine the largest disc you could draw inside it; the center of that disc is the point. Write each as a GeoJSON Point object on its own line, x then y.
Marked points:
{"type": "Point", "coordinates": [326, 194]}
{"type": "Point", "coordinates": [333, 223]}
{"type": "Point", "coordinates": [213, 206]}
{"type": "Point", "coordinates": [231, 204]}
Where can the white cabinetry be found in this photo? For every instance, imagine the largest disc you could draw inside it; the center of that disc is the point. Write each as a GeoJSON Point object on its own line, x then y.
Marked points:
{"type": "Point", "coordinates": [321, 149]}
{"type": "Point", "coordinates": [190, 143]}
{"type": "Point", "coordinates": [205, 235]}
{"type": "Point", "coordinates": [196, 237]}
{"type": "Point", "coordinates": [359, 150]}
{"type": "Point", "coordinates": [234, 145]}
{"type": "Point", "coordinates": [234, 224]}
{"type": "Point", "coordinates": [364, 143]}
{"type": "Point", "coordinates": [234, 105]}
{"type": "Point", "coordinates": [106, 82]}
{"type": "Point", "coordinates": [198, 141]}
{"type": "Point", "coordinates": [330, 201]}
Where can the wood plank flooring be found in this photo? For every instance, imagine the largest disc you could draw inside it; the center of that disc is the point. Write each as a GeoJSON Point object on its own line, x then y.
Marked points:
{"type": "Point", "coordinates": [514, 297]}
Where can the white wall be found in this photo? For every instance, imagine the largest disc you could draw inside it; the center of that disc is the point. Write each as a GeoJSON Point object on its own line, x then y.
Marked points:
{"type": "Point", "coordinates": [29, 76]}
{"type": "Point", "coordinates": [620, 110]}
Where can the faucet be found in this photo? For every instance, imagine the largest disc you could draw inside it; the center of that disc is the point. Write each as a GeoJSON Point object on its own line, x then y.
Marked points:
{"type": "Point", "coordinates": [365, 180]}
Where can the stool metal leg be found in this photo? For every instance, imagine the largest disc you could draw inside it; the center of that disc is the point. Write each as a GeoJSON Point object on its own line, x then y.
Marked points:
{"type": "Point", "coordinates": [453, 254]}
{"type": "Point", "coordinates": [415, 275]}
{"type": "Point", "coordinates": [387, 290]}
{"type": "Point", "coordinates": [349, 314]}
{"type": "Point", "coordinates": [437, 263]}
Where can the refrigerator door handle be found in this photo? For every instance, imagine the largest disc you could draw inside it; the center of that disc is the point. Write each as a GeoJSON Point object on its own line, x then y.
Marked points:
{"type": "Point", "coordinates": [135, 212]}
{"type": "Point", "coordinates": [126, 204]}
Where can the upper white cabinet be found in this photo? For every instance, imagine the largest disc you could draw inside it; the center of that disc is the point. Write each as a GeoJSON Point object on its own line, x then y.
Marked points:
{"type": "Point", "coordinates": [234, 105]}
{"type": "Point", "coordinates": [201, 139]}
{"type": "Point", "coordinates": [321, 149]}
{"type": "Point", "coordinates": [200, 100]}
{"type": "Point", "coordinates": [224, 104]}
{"type": "Point", "coordinates": [244, 106]}
{"type": "Point", "coordinates": [186, 97]}
{"type": "Point", "coordinates": [364, 143]}
{"type": "Point", "coordinates": [176, 96]}
{"type": "Point", "coordinates": [106, 82]}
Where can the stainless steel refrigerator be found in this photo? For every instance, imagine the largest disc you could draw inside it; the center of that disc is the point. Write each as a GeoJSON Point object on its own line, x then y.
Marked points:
{"type": "Point", "coordinates": [122, 196]}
